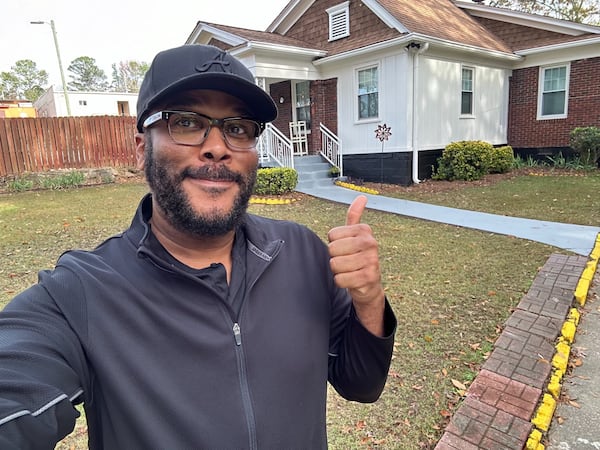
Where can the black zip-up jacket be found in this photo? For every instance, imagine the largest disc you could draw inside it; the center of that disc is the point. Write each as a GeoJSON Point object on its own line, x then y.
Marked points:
{"type": "Point", "coordinates": [161, 362]}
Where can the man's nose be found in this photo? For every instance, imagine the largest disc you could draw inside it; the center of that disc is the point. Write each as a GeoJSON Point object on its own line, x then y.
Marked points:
{"type": "Point", "coordinates": [214, 145]}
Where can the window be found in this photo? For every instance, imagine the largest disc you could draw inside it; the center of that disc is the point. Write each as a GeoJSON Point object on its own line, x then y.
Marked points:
{"type": "Point", "coordinates": [554, 82]}
{"type": "Point", "coordinates": [466, 93]}
{"type": "Point", "coordinates": [339, 21]}
{"type": "Point", "coordinates": [303, 102]}
{"type": "Point", "coordinates": [82, 102]}
{"type": "Point", "coordinates": [368, 93]}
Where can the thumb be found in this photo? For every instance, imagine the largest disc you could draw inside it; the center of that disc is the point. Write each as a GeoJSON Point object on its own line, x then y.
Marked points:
{"type": "Point", "coordinates": [356, 209]}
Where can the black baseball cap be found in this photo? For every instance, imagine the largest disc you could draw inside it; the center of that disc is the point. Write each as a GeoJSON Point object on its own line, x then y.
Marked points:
{"type": "Point", "coordinates": [195, 66]}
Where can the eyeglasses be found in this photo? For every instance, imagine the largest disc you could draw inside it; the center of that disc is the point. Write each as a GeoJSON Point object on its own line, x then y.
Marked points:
{"type": "Point", "coordinates": [191, 128]}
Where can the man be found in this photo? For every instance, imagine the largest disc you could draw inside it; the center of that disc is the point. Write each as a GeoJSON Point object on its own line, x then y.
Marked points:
{"type": "Point", "coordinates": [200, 326]}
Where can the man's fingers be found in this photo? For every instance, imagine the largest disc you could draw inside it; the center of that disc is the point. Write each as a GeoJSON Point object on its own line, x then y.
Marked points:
{"type": "Point", "coordinates": [356, 209]}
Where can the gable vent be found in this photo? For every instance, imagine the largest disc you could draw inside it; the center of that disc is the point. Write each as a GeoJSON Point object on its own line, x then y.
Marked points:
{"type": "Point", "coordinates": [339, 21]}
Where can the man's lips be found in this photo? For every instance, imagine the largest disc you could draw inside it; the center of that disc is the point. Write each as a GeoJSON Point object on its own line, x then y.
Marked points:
{"type": "Point", "coordinates": [219, 174]}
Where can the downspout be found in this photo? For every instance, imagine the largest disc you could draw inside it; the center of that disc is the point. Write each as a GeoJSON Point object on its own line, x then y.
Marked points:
{"type": "Point", "coordinates": [415, 49]}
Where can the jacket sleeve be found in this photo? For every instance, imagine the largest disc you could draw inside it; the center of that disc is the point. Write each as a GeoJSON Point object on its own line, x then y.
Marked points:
{"type": "Point", "coordinates": [358, 360]}
{"type": "Point", "coordinates": [41, 362]}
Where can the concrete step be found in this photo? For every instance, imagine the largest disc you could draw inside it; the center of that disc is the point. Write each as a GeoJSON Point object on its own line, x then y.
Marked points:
{"type": "Point", "coordinates": [313, 171]}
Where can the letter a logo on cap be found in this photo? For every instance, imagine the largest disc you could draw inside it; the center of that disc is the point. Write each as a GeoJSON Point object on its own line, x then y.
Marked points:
{"type": "Point", "coordinates": [220, 61]}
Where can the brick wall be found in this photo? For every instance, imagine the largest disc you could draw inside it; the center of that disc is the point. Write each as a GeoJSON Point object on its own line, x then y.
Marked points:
{"type": "Point", "coordinates": [525, 131]}
{"type": "Point", "coordinates": [323, 110]}
{"type": "Point", "coordinates": [284, 110]}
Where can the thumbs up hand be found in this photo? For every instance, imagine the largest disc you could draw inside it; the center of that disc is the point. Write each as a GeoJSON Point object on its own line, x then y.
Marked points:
{"type": "Point", "coordinates": [355, 264]}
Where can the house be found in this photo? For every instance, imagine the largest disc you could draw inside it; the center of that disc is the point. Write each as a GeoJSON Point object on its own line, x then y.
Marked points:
{"type": "Point", "coordinates": [52, 103]}
{"type": "Point", "coordinates": [16, 108]}
{"type": "Point", "coordinates": [434, 71]}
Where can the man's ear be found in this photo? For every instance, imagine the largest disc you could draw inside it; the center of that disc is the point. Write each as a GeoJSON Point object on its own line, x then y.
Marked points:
{"type": "Point", "coordinates": [140, 150]}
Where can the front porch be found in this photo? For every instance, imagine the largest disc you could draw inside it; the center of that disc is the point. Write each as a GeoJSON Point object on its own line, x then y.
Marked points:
{"type": "Point", "coordinates": [275, 149]}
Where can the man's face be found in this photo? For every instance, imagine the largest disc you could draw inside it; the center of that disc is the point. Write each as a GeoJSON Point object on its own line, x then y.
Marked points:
{"type": "Point", "coordinates": [199, 190]}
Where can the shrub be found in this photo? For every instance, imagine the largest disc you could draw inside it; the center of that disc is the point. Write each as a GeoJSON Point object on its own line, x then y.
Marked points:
{"type": "Point", "coordinates": [464, 160]}
{"type": "Point", "coordinates": [275, 181]}
{"type": "Point", "coordinates": [519, 162]}
{"type": "Point", "coordinates": [586, 142]}
{"type": "Point", "coordinates": [19, 185]}
{"type": "Point", "coordinates": [502, 159]}
{"type": "Point", "coordinates": [66, 180]}
{"type": "Point", "coordinates": [334, 172]}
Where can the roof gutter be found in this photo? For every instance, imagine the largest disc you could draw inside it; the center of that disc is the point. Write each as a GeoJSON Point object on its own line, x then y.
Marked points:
{"type": "Point", "coordinates": [563, 46]}
{"type": "Point", "coordinates": [407, 39]}
{"type": "Point", "coordinates": [276, 48]}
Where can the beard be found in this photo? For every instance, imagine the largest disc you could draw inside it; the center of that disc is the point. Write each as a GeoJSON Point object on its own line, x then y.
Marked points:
{"type": "Point", "coordinates": [167, 190]}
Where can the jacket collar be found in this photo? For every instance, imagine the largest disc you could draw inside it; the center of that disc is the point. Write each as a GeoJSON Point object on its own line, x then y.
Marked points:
{"type": "Point", "coordinates": [259, 242]}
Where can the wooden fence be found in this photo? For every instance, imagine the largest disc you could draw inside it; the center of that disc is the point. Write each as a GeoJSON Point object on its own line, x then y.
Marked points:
{"type": "Point", "coordinates": [46, 143]}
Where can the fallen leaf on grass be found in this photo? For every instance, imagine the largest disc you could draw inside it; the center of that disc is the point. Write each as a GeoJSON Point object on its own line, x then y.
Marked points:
{"type": "Point", "coordinates": [458, 385]}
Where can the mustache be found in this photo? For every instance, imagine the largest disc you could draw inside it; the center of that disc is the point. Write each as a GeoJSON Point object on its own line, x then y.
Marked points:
{"type": "Point", "coordinates": [212, 172]}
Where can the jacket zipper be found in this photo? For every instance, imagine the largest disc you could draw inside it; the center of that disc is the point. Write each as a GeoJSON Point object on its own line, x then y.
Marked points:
{"type": "Point", "coordinates": [237, 334]}
{"type": "Point", "coordinates": [245, 390]}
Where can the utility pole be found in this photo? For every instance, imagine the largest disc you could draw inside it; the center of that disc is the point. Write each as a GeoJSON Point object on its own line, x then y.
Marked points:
{"type": "Point", "coordinates": [60, 66]}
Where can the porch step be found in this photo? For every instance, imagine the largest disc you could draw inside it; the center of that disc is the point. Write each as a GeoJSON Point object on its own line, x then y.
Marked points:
{"type": "Point", "coordinates": [313, 171]}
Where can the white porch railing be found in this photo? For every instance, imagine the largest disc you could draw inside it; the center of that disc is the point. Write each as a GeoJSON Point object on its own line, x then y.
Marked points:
{"type": "Point", "coordinates": [331, 148]}
{"type": "Point", "coordinates": [273, 145]}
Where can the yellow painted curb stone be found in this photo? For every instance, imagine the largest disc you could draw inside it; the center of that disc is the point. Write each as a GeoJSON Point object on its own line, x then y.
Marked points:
{"type": "Point", "coordinates": [554, 385]}
{"type": "Point", "coordinates": [561, 357]}
{"type": "Point", "coordinates": [544, 413]}
{"type": "Point", "coordinates": [533, 442]}
{"type": "Point", "coordinates": [581, 291]}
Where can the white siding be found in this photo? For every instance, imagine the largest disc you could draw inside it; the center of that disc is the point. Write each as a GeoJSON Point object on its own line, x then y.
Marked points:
{"type": "Point", "coordinates": [52, 103]}
{"type": "Point", "coordinates": [359, 137]}
{"type": "Point", "coordinates": [439, 118]}
{"type": "Point", "coordinates": [438, 97]}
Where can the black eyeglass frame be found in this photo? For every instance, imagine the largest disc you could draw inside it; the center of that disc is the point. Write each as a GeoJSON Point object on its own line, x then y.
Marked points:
{"type": "Point", "coordinates": [165, 114]}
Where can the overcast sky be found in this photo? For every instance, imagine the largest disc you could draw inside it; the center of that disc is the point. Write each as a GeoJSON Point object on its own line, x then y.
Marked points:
{"type": "Point", "coordinates": [111, 31]}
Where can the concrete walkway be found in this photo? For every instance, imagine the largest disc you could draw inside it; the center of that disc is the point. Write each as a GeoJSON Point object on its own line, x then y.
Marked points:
{"type": "Point", "coordinates": [578, 239]}
{"type": "Point", "coordinates": [500, 406]}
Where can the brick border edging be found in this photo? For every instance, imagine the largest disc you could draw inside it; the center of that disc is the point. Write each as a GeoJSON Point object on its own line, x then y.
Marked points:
{"type": "Point", "coordinates": [498, 409]}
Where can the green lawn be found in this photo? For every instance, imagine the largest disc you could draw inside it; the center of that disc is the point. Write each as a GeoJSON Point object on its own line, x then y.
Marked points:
{"type": "Point", "coordinates": [451, 288]}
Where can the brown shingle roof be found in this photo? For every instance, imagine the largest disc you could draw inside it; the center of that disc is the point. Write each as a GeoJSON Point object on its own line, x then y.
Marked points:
{"type": "Point", "coordinates": [263, 36]}
{"type": "Point", "coordinates": [520, 37]}
{"type": "Point", "coordinates": [442, 19]}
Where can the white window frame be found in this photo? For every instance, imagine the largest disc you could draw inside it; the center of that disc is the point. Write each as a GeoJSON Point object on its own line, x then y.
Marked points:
{"type": "Point", "coordinates": [357, 94]}
{"type": "Point", "coordinates": [339, 21]}
{"type": "Point", "coordinates": [541, 92]}
{"type": "Point", "coordinates": [472, 91]}
{"type": "Point", "coordinates": [294, 101]}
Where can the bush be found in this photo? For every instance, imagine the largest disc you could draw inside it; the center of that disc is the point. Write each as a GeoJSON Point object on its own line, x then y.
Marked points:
{"type": "Point", "coordinates": [586, 142]}
{"type": "Point", "coordinates": [502, 159]}
{"type": "Point", "coordinates": [66, 180]}
{"type": "Point", "coordinates": [275, 181]}
{"type": "Point", "coordinates": [464, 160]}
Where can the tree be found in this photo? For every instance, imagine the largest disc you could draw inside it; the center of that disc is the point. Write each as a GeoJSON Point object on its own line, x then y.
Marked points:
{"type": "Point", "coordinates": [24, 81]}
{"type": "Point", "coordinates": [582, 11]}
{"type": "Point", "coordinates": [86, 75]}
{"type": "Point", "coordinates": [127, 76]}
